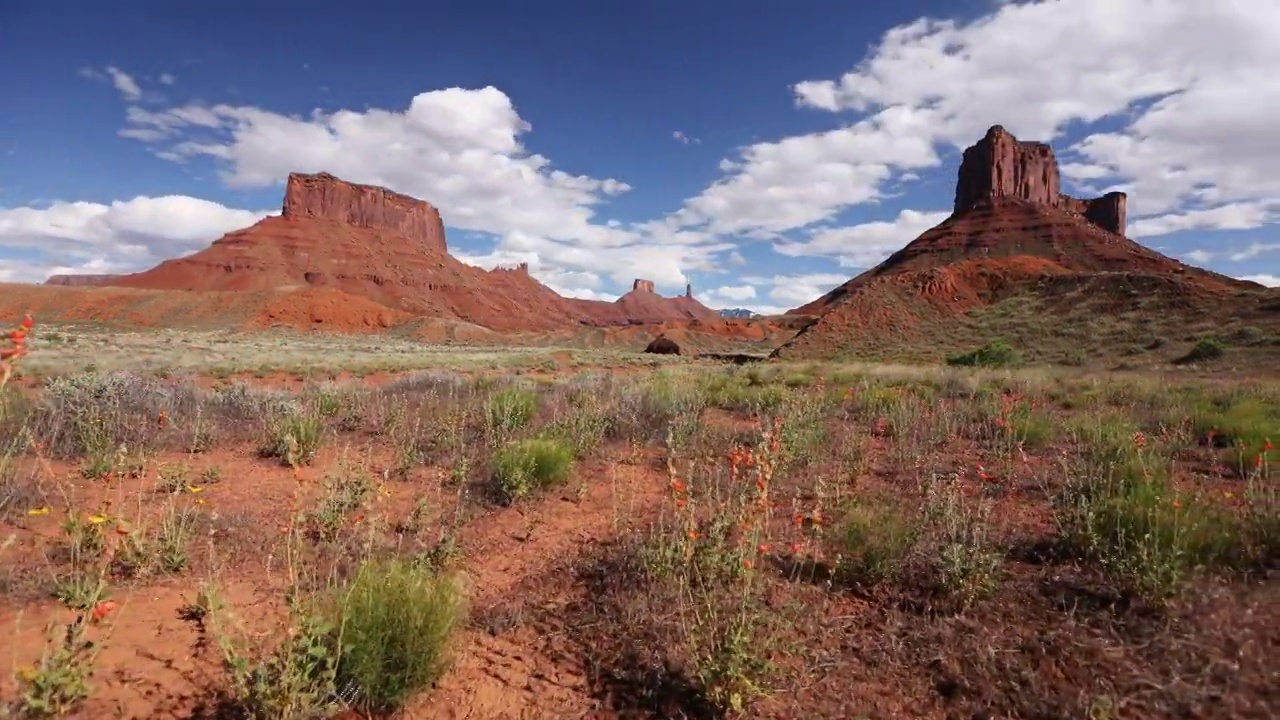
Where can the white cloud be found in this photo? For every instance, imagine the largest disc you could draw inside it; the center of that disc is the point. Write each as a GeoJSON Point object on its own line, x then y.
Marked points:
{"type": "Point", "coordinates": [1268, 280]}
{"type": "Point", "coordinates": [1189, 80]}
{"type": "Point", "coordinates": [684, 139]}
{"type": "Point", "coordinates": [1254, 250]}
{"type": "Point", "coordinates": [126, 235]}
{"type": "Point", "coordinates": [461, 150]}
{"type": "Point", "coordinates": [738, 293]}
{"type": "Point", "coordinates": [1232, 216]}
{"type": "Point", "coordinates": [1199, 256]}
{"type": "Point", "coordinates": [125, 84]}
{"type": "Point", "coordinates": [167, 79]}
{"type": "Point", "coordinates": [866, 244]}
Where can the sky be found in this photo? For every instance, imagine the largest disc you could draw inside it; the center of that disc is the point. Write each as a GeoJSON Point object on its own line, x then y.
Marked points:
{"type": "Point", "coordinates": [764, 151]}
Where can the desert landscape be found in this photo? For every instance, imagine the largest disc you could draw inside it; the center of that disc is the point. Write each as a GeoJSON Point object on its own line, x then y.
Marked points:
{"type": "Point", "coordinates": [1023, 468]}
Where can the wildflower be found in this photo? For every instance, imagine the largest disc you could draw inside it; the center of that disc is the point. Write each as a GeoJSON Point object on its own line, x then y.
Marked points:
{"type": "Point", "coordinates": [693, 534]}
{"type": "Point", "coordinates": [102, 609]}
{"type": "Point", "coordinates": [1228, 494]}
{"type": "Point", "coordinates": [195, 488]}
{"type": "Point", "coordinates": [763, 548]}
{"type": "Point", "coordinates": [796, 548]}
{"type": "Point", "coordinates": [984, 475]}
{"type": "Point", "coordinates": [27, 673]}
{"type": "Point", "coordinates": [747, 563]}
{"type": "Point", "coordinates": [98, 519]}
{"type": "Point", "coordinates": [43, 510]}
{"type": "Point", "coordinates": [163, 418]}
{"type": "Point", "coordinates": [1139, 439]}
{"type": "Point", "coordinates": [1177, 504]}
{"type": "Point", "coordinates": [798, 519]}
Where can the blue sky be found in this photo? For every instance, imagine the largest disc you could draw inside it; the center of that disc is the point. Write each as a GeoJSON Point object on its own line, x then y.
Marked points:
{"type": "Point", "coordinates": [764, 154]}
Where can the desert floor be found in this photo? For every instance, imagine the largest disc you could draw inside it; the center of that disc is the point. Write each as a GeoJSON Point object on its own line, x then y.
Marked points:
{"type": "Point", "coordinates": [209, 525]}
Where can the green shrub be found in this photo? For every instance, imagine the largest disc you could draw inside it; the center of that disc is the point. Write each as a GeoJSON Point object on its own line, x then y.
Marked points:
{"type": "Point", "coordinates": [1205, 349]}
{"type": "Point", "coordinates": [996, 353]}
{"type": "Point", "coordinates": [511, 409]}
{"type": "Point", "coordinates": [874, 541]}
{"type": "Point", "coordinates": [396, 619]}
{"type": "Point", "coordinates": [294, 437]}
{"type": "Point", "coordinates": [527, 465]}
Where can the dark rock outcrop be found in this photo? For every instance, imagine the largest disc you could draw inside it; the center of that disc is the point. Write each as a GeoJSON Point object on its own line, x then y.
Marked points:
{"type": "Point", "coordinates": [663, 345]}
{"type": "Point", "coordinates": [325, 197]}
{"type": "Point", "coordinates": [1001, 166]}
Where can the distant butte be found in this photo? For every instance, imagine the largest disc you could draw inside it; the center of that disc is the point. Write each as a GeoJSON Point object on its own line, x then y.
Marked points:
{"type": "Point", "coordinates": [1001, 166]}
{"type": "Point", "coordinates": [1011, 231]}
{"type": "Point", "coordinates": [388, 248]}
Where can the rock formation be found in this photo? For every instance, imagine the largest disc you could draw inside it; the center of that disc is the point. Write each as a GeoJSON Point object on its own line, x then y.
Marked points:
{"type": "Point", "coordinates": [1000, 166]}
{"type": "Point", "coordinates": [688, 291]}
{"type": "Point", "coordinates": [370, 243]}
{"type": "Point", "coordinates": [1012, 233]}
{"type": "Point", "coordinates": [80, 280]}
{"type": "Point", "coordinates": [324, 197]}
{"type": "Point", "coordinates": [663, 345]}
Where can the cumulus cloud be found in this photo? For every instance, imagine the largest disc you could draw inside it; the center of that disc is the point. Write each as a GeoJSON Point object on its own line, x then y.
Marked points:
{"type": "Point", "coordinates": [684, 139]}
{"type": "Point", "coordinates": [866, 244]}
{"type": "Point", "coordinates": [1189, 80]}
{"type": "Point", "coordinates": [462, 150]}
{"type": "Point", "coordinates": [1268, 280]}
{"type": "Point", "coordinates": [83, 237]}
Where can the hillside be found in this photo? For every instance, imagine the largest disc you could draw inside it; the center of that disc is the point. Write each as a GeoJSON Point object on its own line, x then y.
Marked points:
{"type": "Point", "coordinates": [1019, 259]}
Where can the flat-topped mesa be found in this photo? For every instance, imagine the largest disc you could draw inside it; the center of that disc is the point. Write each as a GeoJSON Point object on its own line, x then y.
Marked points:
{"type": "Point", "coordinates": [326, 197]}
{"type": "Point", "coordinates": [80, 280]}
{"type": "Point", "coordinates": [642, 285]}
{"type": "Point", "coordinates": [1001, 166]}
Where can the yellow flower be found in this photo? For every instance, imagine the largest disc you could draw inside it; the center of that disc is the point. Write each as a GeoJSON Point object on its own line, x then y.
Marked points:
{"type": "Point", "coordinates": [98, 519]}
{"type": "Point", "coordinates": [39, 511]}
{"type": "Point", "coordinates": [200, 501]}
{"type": "Point", "coordinates": [27, 673]}
{"type": "Point", "coordinates": [195, 488]}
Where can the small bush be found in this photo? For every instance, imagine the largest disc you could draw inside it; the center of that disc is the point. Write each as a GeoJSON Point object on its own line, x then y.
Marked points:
{"type": "Point", "coordinates": [996, 353]}
{"type": "Point", "coordinates": [511, 409]}
{"type": "Point", "coordinates": [524, 466]}
{"type": "Point", "coordinates": [294, 437]}
{"type": "Point", "coordinates": [396, 620]}
{"type": "Point", "coordinates": [1204, 350]}
{"type": "Point", "coordinates": [874, 541]}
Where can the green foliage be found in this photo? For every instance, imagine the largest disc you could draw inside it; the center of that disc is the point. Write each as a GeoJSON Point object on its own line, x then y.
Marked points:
{"type": "Point", "coordinates": [524, 466]}
{"type": "Point", "coordinates": [996, 353]}
{"type": "Point", "coordinates": [396, 618]}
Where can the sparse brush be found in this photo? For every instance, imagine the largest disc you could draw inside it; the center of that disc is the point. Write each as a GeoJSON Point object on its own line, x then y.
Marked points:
{"type": "Point", "coordinates": [397, 619]}
{"type": "Point", "coordinates": [524, 466]}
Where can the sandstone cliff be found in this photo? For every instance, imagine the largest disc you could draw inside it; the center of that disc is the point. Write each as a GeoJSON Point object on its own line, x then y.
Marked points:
{"type": "Point", "coordinates": [1000, 166]}
{"type": "Point", "coordinates": [324, 197]}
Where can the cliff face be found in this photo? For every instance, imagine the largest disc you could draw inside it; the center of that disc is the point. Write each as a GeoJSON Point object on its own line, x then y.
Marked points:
{"type": "Point", "coordinates": [324, 197]}
{"type": "Point", "coordinates": [1000, 166]}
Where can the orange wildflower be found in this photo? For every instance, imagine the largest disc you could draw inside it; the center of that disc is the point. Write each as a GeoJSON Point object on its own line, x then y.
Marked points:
{"type": "Point", "coordinates": [102, 609]}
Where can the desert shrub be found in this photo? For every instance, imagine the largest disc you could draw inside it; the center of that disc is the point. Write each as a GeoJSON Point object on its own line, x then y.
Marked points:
{"type": "Point", "coordinates": [1241, 426]}
{"type": "Point", "coordinates": [1205, 349]}
{"type": "Point", "coordinates": [524, 466]}
{"type": "Point", "coordinates": [294, 436]}
{"type": "Point", "coordinates": [396, 619]}
{"type": "Point", "coordinates": [996, 353]}
{"type": "Point", "coordinates": [510, 409]}
{"type": "Point", "coordinates": [874, 541]}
